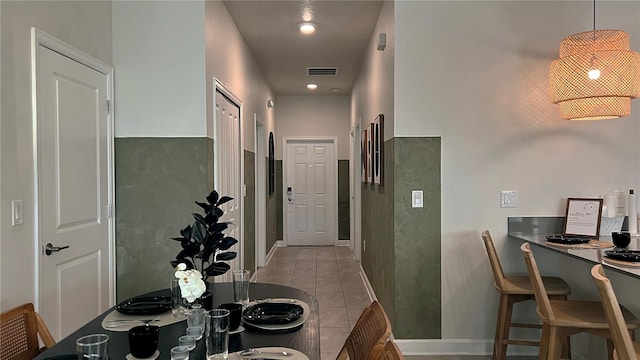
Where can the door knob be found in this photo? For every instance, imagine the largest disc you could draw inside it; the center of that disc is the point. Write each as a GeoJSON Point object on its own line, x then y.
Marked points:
{"type": "Point", "coordinates": [49, 248]}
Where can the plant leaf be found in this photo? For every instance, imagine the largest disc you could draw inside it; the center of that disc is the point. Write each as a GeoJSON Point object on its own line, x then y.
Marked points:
{"type": "Point", "coordinates": [224, 199]}
{"type": "Point", "coordinates": [212, 198]}
{"type": "Point", "coordinates": [199, 232]}
{"type": "Point", "coordinates": [218, 228]}
{"type": "Point", "coordinates": [225, 256]}
{"type": "Point", "coordinates": [217, 211]}
{"type": "Point", "coordinates": [206, 207]}
{"type": "Point", "coordinates": [211, 219]}
{"type": "Point", "coordinates": [187, 262]}
{"type": "Point", "coordinates": [227, 242]}
{"type": "Point", "coordinates": [186, 232]}
{"type": "Point", "coordinates": [217, 268]}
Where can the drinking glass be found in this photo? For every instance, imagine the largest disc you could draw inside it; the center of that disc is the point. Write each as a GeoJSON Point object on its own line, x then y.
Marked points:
{"type": "Point", "coordinates": [179, 353]}
{"type": "Point", "coordinates": [177, 302]}
{"type": "Point", "coordinates": [217, 334]}
{"type": "Point", "coordinates": [188, 341]}
{"type": "Point", "coordinates": [241, 286]}
{"type": "Point", "coordinates": [195, 331]}
{"type": "Point", "coordinates": [94, 347]}
{"type": "Point", "coordinates": [195, 316]}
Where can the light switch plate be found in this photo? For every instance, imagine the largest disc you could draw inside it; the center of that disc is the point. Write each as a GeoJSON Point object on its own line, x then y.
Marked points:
{"type": "Point", "coordinates": [16, 212]}
{"type": "Point", "coordinates": [417, 199]}
{"type": "Point", "coordinates": [509, 199]}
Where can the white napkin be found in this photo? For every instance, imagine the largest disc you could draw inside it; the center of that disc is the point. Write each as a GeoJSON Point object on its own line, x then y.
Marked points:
{"type": "Point", "coordinates": [163, 320]}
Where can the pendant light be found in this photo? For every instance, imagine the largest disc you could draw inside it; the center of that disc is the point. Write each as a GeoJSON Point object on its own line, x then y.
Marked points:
{"type": "Point", "coordinates": [596, 75]}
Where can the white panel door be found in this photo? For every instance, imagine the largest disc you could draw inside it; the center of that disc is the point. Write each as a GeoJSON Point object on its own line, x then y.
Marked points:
{"type": "Point", "coordinates": [73, 185]}
{"type": "Point", "coordinates": [310, 193]}
{"type": "Point", "coordinates": [228, 166]}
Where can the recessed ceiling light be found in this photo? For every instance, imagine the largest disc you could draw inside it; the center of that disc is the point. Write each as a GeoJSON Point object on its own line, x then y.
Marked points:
{"type": "Point", "coordinates": [307, 28]}
{"type": "Point", "coordinates": [335, 90]}
{"type": "Point", "coordinates": [312, 86]}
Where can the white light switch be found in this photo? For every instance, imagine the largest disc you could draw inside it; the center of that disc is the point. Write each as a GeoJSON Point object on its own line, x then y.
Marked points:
{"type": "Point", "coordinates": [509, 198]}
{"type": "Point", "coordinates": [416, 199]}
{"type": "Point", "coordinates": [16, 212]}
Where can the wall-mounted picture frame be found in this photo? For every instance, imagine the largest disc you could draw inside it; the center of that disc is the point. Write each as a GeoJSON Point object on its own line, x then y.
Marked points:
{"type": "Point", "coordinates": [364, 160]}
{"type": "Point", "coordinates": [370, 154]}
{"type": "Point", "coordinates": [272, 165]}
{"type": "Point", "coordinates": [583, 217]}
{"type": "Point", "coordinates": [378, 150]}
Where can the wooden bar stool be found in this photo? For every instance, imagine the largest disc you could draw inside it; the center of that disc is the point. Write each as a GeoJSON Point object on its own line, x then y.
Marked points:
{"type": "Point", "coordinates": [625, 347]}
{"type": "Point", "coordinates": [514, 289]}
{"type": "Point", "coordinates": [562, 318]}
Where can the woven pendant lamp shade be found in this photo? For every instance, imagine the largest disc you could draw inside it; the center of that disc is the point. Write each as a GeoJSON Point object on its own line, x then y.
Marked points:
{"type": "Point", "coordinates": [605, 97]}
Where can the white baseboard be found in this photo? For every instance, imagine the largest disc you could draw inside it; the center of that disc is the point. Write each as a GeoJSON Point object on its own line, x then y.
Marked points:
{"type": "Point", "coordinates": [272, 251]}
{"type": "Point", "coordinates": [367, 284]}
{"type": "Point", "coordinates": [343, 243]}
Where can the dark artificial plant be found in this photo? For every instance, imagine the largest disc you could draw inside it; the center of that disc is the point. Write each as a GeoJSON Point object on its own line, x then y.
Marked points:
{"type": "Point", "coordinates": [204, 239]}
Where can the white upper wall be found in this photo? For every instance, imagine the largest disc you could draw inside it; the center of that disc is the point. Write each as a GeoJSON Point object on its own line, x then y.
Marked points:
{"type": "Point", "coordinates": [313, 116]}
{"type": "Point", "coordinates": [159, 60]}
{"type": "Point", "coordinates": [476, 74]}
{"type": "Point", "coordinates": [230, 61]}
{"type": "Point", "coordinates": [373, 90]}
{"type": "Point", "coordinates": [85, 25]}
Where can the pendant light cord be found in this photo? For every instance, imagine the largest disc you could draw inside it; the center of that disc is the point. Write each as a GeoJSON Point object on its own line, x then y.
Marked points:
{"type": "Point", "coordinates": [594, 18]}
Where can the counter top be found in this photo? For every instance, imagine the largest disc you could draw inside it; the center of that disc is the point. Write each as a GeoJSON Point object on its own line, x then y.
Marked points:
{"type": "Point", "coordinates": [535, 230]}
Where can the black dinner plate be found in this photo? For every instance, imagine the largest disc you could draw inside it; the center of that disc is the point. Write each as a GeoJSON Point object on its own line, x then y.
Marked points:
{"type": "Point", "coordinates": [145, 305]}
{"type": "Point", "coordinates": [568, 240]}
{"type": "Point", "coordinates": [623, 255]}
{"type": "Point", "coordinates": [272, 313]}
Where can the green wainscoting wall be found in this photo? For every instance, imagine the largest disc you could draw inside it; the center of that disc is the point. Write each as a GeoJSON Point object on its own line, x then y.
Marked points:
{"type": "Point", "coordinates": [157, 181]}
{"type": "Point", "coordinates": [279, 206]}
{"type": "Point", "coordinates": [273, 214]}
{"type": "Point", "coordinates": [402, 257]}
{"type": "Point", "coordinates": [343, 200]}
{"type": "Point", "coordinates": [250, 211]}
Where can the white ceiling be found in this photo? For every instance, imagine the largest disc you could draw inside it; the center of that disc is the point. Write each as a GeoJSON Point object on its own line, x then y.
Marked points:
{"type": "Point", "coordinates": [270, 29]}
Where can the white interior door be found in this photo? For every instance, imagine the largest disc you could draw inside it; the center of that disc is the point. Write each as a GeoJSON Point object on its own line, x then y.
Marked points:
{"type": "Point", "coordinates": [310, 192]}
{"type": "Point", "coordinates": [73, 189]}
{"type": "Point", "coordinates": [228, 162]}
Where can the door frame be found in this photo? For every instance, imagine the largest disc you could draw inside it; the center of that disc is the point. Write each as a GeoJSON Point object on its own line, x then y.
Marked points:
{"type": "Point", "coordinates": [40, 38]}
{"type": "Point", "coordinates": [334, 210]}
{"type": "Point", "coordinates": [355, 188]}
{"type": "Point", "coordinates": [260, 191]}
{"type": "Point", "coordinates": [218, 86]}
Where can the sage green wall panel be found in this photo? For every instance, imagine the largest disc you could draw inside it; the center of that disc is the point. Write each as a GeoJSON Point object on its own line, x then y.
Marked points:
{"type": "Point", "coordinates": [343, 200]}
{"type": "Point", "coordinates": [157, 181]}
{"type": "Point", "coordinates": [278, 195]}
{"type": "Point", "coordinates": [272, 215]}
{"type": "Point", "coordinates": [377, 235]}
{"type": "Point", "coordinates": [250, 212]}
{"type": "Point", "coordinates": [417, 239]}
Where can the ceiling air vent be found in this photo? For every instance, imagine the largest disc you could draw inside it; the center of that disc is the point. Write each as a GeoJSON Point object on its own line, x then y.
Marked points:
{"type": "Point", "coordinates": [322, 71]}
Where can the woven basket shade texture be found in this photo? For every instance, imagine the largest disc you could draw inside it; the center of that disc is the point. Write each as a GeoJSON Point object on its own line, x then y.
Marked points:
{"type": "Point", "coordinates": [609, 96]}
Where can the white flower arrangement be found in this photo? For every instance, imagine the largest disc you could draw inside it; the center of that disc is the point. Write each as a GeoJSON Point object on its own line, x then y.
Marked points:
{"type": "Point", "coordinates": [191, 284]}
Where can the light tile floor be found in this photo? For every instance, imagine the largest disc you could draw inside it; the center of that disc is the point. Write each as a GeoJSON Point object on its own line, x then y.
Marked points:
{"type": "Point", "coordinates": [333, 276]}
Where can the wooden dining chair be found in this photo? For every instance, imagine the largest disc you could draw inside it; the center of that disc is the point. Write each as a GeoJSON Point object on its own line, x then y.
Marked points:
{"type": "Point", "coordinates": [514, 289]}
{"type": "Point", "coordinates": [388, 351]}
{"type": "Point", "coordinates": [19, 330]}
{"type": "Point", "coordinates": [563, 318]}
{"type": "Point", "coordinates": [372, 328]}
{"type": "Point", "coordinates": [625, 347]}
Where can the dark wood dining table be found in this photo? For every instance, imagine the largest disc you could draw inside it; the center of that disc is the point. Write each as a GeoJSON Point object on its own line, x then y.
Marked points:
{"type": "Point", "coordinates": [305, 339]}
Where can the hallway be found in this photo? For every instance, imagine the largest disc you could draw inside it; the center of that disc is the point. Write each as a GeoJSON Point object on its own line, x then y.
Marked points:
{"type": "Point", "coordinates": [331, 274]}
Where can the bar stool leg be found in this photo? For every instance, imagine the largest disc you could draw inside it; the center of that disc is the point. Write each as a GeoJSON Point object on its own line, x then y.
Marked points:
{"type": "Point", "coordinates": [544, 343]}
{"type": "Point", "coordinates": [503, 327]}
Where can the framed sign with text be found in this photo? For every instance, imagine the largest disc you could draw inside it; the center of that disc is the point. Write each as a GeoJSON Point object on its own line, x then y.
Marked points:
{"type": "Point", "coordinates": [583, 217]}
